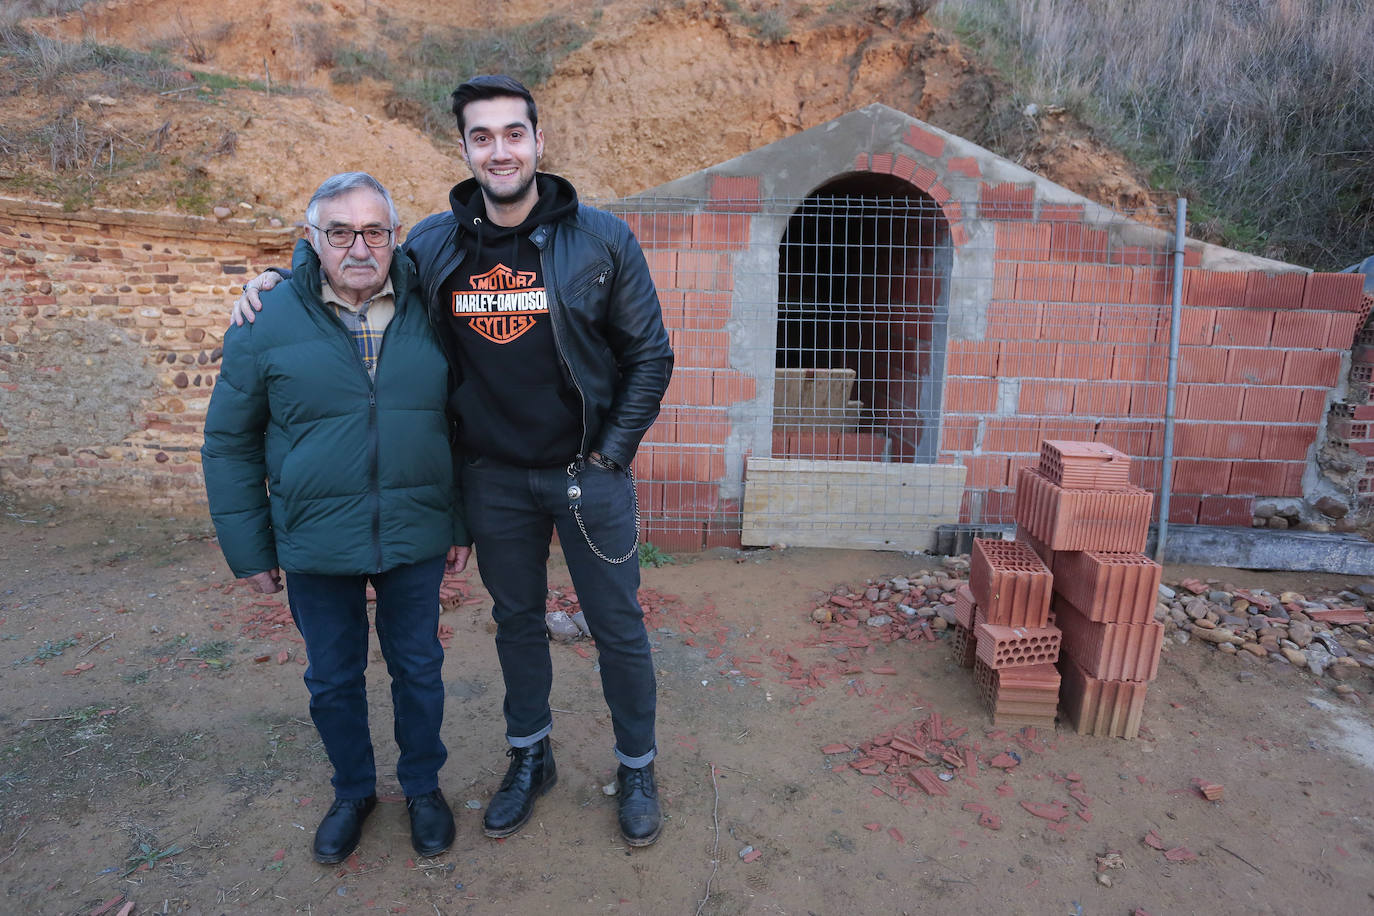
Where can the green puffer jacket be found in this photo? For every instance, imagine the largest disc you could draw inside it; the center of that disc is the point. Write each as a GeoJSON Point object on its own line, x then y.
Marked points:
{"type": "Point", "coordinates": [359, 472]}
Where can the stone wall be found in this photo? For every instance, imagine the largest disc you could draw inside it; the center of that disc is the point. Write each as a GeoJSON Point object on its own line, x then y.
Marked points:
{"type": "Point", "coordinates": [112, 323]}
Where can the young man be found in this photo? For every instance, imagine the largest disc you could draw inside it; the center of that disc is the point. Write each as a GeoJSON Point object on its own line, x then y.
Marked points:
{"type": "Point", "coordinates": [555, 339]}
{"type": "Point", "coordinates": [327, 455]}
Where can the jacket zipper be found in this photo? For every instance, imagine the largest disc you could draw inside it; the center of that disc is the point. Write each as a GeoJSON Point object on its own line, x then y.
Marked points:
{"type": "Point", "coordinates": [555, 319]}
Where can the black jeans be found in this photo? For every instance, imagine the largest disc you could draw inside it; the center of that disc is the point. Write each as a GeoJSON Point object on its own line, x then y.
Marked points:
{"type": "Point", "coordinates": [331, 613]}
{"type": "Point", "coordinates": [512, 513]}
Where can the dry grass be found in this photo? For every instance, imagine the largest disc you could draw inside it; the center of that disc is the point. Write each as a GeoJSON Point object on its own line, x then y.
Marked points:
{"type": "Point", "coordinates": [1261, 112]}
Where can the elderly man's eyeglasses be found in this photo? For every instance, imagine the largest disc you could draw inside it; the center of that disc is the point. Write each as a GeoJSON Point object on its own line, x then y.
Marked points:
{"type": "Point", "coordinates": [340, 237]}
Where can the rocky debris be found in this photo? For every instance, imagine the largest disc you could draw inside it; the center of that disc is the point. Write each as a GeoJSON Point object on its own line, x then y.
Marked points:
{"type": "Point", "coordinates": [912, 607]}
{"type": "Point", "coordinates": [1328, 636]}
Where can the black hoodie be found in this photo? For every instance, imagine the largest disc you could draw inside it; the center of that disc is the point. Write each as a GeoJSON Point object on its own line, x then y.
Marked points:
{"type": "Point", "coordinates": [516, 404]}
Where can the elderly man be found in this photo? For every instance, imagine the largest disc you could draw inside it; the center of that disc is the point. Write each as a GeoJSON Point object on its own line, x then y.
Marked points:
{"type": "Point", "coordinates": [328, 461]}
{"type": "Point", "coordinates": [554, 334]}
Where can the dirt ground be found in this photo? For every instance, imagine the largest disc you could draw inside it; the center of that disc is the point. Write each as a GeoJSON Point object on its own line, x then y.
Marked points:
{"type": "Point", "coordinates": [157, 751]}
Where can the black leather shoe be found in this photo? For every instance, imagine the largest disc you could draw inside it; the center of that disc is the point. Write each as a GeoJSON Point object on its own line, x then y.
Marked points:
{"type": "Point", "coordinates": [342, 828]}
{"type": "Point", "coordinates": [641, 819]}
{"type": "Point", "coordinates": [531, 773]}
{"type": "Point", "coordinates": [431, 823]}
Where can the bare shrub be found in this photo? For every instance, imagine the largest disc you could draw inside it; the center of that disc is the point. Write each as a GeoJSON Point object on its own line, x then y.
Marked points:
{"type": "Point", "coordinates": [1262, 112]}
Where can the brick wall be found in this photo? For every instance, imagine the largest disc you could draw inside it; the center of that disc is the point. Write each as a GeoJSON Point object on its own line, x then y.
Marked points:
{"type": "Point", "coordinates": [112, 323]}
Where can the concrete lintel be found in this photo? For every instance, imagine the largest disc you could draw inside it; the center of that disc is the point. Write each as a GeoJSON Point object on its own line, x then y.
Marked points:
{"type": "Point", "coordinates": [1256, 548]}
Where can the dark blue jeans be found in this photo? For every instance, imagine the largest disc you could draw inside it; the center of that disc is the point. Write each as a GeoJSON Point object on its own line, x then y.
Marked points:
{"type": "Point", "coordinates": [331, 613]}
{"type": "Point", "coordinates": [512, 513]}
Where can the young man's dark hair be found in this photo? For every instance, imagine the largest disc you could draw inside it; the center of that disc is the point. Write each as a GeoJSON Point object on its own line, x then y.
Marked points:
{"type": "Point", "coordinates": [480, 88]}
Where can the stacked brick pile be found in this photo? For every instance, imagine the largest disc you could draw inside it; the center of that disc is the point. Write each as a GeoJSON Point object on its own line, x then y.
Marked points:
{"type": "Point", "coordinates": [1067, 610]}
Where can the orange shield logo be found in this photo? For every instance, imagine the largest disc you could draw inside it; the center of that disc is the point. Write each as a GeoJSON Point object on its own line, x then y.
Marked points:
{"type": "Point", "coordinates": [501, 328]}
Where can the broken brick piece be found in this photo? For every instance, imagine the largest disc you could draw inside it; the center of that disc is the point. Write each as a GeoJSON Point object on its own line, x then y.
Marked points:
{"type": "Point", "coordinates": [1153, 841]}
{"type": "Point", "coordinates": [1210, 790]}
{"type": "Point", "coordinates": [1341, 616]}
{"type": "Point", "coordinates": [835, 749]}
{"type": "Point", "coordinates": [1051, 812]}
{"type": "Point", "coordinates": [1180, 854]}
{"type": "Point", "coordinates": [927, 780]}
{"type": "Point", "coordinates": [1004, 761]}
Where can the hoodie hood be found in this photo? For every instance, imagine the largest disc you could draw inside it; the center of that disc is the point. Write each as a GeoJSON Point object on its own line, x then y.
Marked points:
{"type": "Point", "coordinates": [557, 199]}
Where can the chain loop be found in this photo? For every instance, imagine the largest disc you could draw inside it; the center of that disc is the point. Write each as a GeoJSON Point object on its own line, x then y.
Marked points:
{"type": "Point", "coordinates": [577, 514]}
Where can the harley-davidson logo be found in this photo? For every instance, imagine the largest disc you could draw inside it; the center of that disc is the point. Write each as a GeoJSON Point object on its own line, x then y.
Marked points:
{"type": "Point", "coordinates": [501, 328]}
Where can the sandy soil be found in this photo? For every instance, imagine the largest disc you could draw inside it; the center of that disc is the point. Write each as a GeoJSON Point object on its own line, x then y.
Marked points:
{"type": "Point", "coordinates": [149, 756]}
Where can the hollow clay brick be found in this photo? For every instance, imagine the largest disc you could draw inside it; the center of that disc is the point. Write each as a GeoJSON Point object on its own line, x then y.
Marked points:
{"type": "Point", "coordinates": [1111, 651]}
{"type": "Point", "coordinates": [965, 646]}
{"type": "Point", "coordinates": [1017, 647]}
{"type": "Point", "coordinates": [1082, 519]}
{"type": "Point", "coordinates": [964, 607]}
{"type": "Point", "coordinates": [1025, 696]}
{"type": "Point", "coordinates": [1010, 583]}
{"type": "Point", "coordinates": [1098, 707]}
{"type": "Point", "coordinates": [1108, 587]}
{"type": "Point", "coordinates": [1041, 550]}
{"type": "Point", "coordinates": [1084, 465]}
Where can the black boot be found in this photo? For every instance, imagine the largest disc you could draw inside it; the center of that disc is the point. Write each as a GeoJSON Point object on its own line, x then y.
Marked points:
{"type": "Point", "coordinates": [641, 819]}
{"type": "Point", "coordinates": [342, 828]}
{"type": "Point", "coordinates": [431, 823]}
{"type": "Point", "coordinates": [531, 773]}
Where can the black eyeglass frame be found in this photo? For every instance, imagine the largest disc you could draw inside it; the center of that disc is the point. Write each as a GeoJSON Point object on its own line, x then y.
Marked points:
{"type": "Point", "coordinates": [353, 235]}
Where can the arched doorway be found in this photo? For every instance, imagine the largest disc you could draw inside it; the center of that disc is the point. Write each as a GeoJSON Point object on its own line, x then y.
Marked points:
{"type": "Point", "coordinates": [862, 285]}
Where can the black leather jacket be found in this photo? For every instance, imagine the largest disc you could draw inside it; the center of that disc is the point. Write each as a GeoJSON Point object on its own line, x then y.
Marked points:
{"type": "Point", "coordinates": [606, 319]}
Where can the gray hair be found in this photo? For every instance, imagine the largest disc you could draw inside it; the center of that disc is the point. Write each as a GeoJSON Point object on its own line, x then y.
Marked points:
{"type": "Point", "coordinates": [340, 184]}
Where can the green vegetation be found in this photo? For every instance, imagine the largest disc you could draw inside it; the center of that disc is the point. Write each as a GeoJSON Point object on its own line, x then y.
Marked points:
{"type": "Point", "coordinates": [51, 648]}
{"type": "Point", "coordinates": [650, 555]}
{"type": "Point", "coordinates": [1260, 114]}
{"type": "Point", "coordinates": [425, 72]}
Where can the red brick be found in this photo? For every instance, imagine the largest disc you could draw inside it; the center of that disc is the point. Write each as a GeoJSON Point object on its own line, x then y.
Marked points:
{"type": "Point", "coordinates": [925, 141]}
{"type": "Point", "coordinates": [1207, 477]}
{"type": "Point", "coordinates": [700, 348]}
{"type": "Point", "coordinates": [964, 165]}
{"type": "Point", "coordinates": [674, 536]}
{"type": "Point", "coordinates": [1274, 291]}
{"type": "Point", "coordinates": [735, 193]}
{"type": "Point", "coordinates": [1023, 241]}
{"type": "Point", "coordinates": [959, 434]}
{"type": "Point", "coordinates": [704, 310]}
{"type": "Point", "coordinates": [1256, 478]}
{"type": "Point", "coordinates": [1151, 286]}
{"type": "Point", "coordinates": [1214, 288]}
{"type": "Point", "coordinates": [1148, 400]}
{"type": "Point", "coordinates": [721, 230]}
{"type": "Point", "coordinates": [1077, 243]}
{"type": "Point", "coordinates": [1027, 359]}
{"type": "Point", "coordinates": [964, 645]}
{"type": "Point", "coordinates": [1139, 255]}
{"type": "Point", "coordinates": [1040, 397]}
{"type": "Point", "coordinates": [1301, 329]}
{"type": "Point", "coordinates": [1334, 292]}
{"type": "Point", "coordinates": [729, 387]}
{"type": "Point", "coordinates": [924, 178]}
{"type": "Point", "coordinates": [1201, 364]}
{"type": "Point", "coordinates": [1139, 362]}
{"type": "Point", "coordinates": [1016, 647]}
{"type": "Point", "coordinates": [1021, 696]}
{"type": "Point", "coordinates": [1311, 367]}
{"type": "Point", "coordinates": [661, 230]}
{"type": "Point", "coordinates": [1111, 651]}
{"type": "Point", "coordinates": [1225, 440]}
{"type": "Point", "coordinates": [1018, 321]}
{"type": "Point", "coordinates": [1044, 282]}
{"type": "Point", "coordinates": [1197, 326]}
{"type": "Point", "coordinates": [1254, 367]}
{"type": "Point", "coordinates": [1011, 434]}
{"type": "Point", "coordinates": [904, 167]}
{"type": "Point", "coordinates": [1102, 399]}
{"type": "Point", "coordinates": [970, 395]}
{"type": "Point", "coordinates": [1060, 213]}
{"type": "Point", "coordinates": [940, 194]}
{"type": "Point", "coordinates": [1099, 707]}
{"type": "Point", "coordinates": [689, 386]}
{"type": "Point", "coordinates": [1082, 519]}
{"type": "Point", "coordinates": [1083, 360]}
{"type": "Point", "coordinates": [1010, 584]}
{"type": "Point", "coordinates": [986, 472]}
{"type": "Point", "coordinates": [1108, 587]}
{"type": "Point", "coordinates": [1190, 439]}
{"type": "Point", "coordinates": [1134, 437]}
{"type": "Point", "coordinates": [1066, 428]}
{"type": "Point", "coordinates": [1076, 321]}
{"type": "Point", "coordinates": [1225, 510]}
{"type": "Point", "coordinates": [1312, 406]}
{"type": "Point", "coordinates": [965, 606]}
{"type": "Point", "coordinates": [687, 463]}
{"type": "Point", "coordinates": [1140, 324]}
{"type": "Point", "coordinates": [1211, 402]}
{"type": "Point", "coordinates": [881, 162]}
{"type": "Point", "coordinates": [1242, 328]}
{"type": "Point", "coordinates": [1077, 465]}
{"type": "Point", "coordinates": [1287, 442]}
{"type": "Point", "coordinates": [1006, 201]}
{"type": "Point", "coordinates": [703, 270]}
{"type": "Point", "coordinates": [1183, 509]}
{"type": "Point", "coordinates": [1279, 405]}
{"type": "Point", "coordinates": [1344, 327]}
